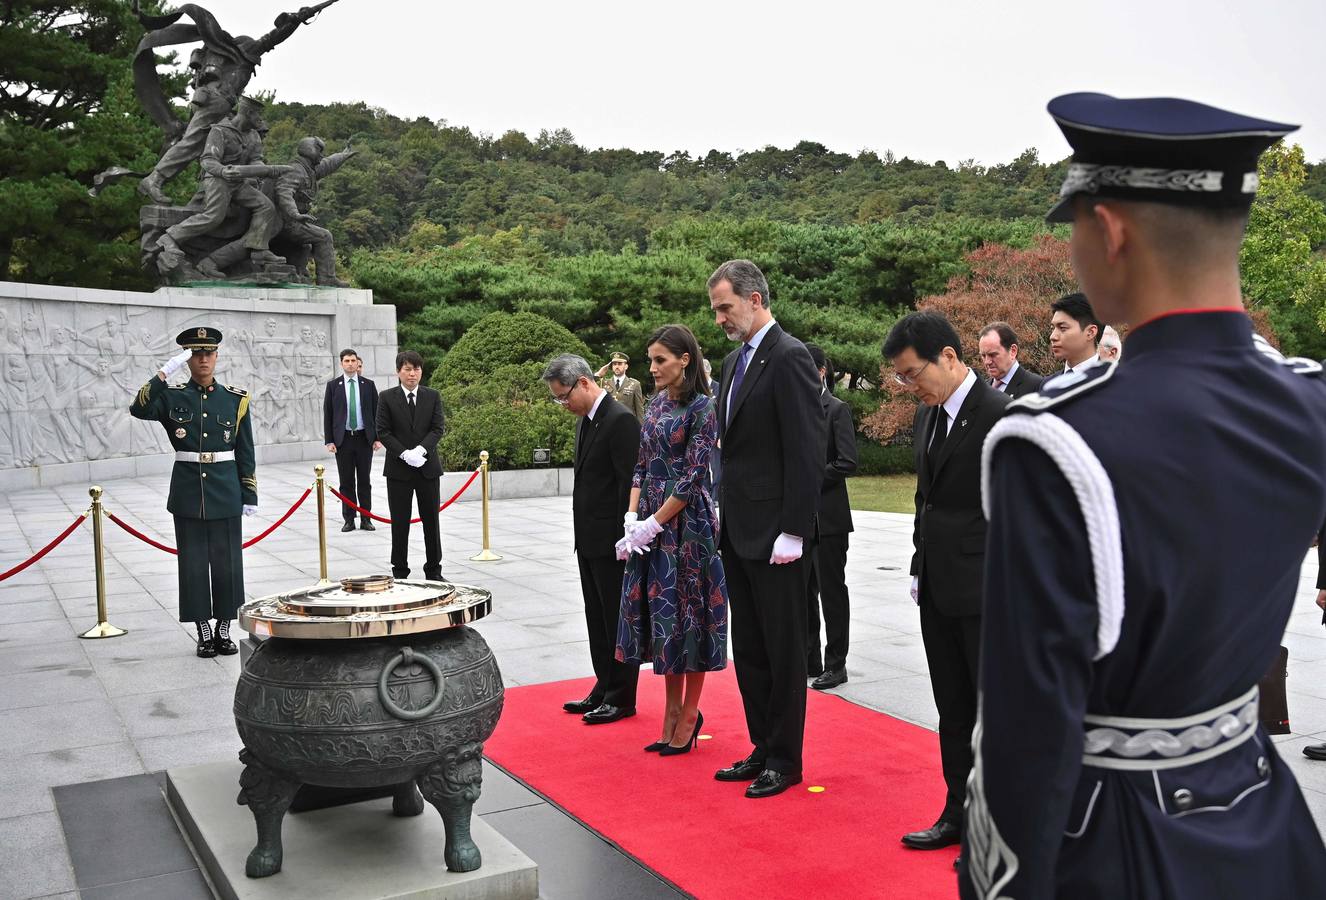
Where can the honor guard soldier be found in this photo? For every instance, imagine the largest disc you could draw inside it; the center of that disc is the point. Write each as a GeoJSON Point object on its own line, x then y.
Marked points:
{"type": "Point", "coordinates": [622, 387]}
{"type": "Point", "coordinates": [212, 484]}
{"type": "Point", "coordinates": [1147, 522]}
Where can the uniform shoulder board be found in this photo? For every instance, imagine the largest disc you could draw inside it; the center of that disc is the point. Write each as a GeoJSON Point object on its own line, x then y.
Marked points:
{"type": "Point", "coordinates": [239, 391]}
{"type": "Point", "coordinates": [1059, 389]}
{"type": "Point", "coordinates": [1298, 364]}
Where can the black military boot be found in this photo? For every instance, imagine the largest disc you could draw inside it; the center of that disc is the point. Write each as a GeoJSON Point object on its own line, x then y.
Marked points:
{"type": "Point", "coordinates": [223, 644]}
{"type": "Point", "coordinates": [206, 648]}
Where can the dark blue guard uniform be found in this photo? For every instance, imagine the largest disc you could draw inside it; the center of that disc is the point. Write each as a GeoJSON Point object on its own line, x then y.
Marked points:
{"type": "Point", "coordinates": [1147, 523]}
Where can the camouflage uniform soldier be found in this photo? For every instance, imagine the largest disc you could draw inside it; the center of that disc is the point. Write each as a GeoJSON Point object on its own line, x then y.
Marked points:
{"type": "Point", "coordinates": [212, 484]}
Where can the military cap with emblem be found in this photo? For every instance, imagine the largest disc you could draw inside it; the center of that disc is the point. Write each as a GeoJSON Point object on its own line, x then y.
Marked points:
{"type": "Point", "coordinates": [1160, 150]}
{"type": "Point", "coordinates": [619, 356]}
{"type": "Point", "coordinates": [199, 338]}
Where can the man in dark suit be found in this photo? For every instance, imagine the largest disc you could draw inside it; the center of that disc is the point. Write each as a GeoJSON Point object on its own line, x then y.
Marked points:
{"type": "Point", "coordinates": [409, 424]}
{"type": "Point", "coordinates": [828, 570]}
{"type": "Point", "coordinates": [349, 428]}
{"type": "Point", "coordinates": [998, 347]}
{"type": "Point", "coordinates": [957, 411]}
{"type": "Point", "coordinates": [771, 426]}
{"type": "Point", "coordinates": [607, 444]}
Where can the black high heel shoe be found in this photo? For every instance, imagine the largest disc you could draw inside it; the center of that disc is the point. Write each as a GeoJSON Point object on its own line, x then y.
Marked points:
{"type": "Point", "coordinates": [669, 750]}
{"type": "Point", "coordinates": [656, 746]}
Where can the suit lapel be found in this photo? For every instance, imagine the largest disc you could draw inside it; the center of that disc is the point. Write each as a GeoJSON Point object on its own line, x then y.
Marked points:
{"type": "Point", "coordinates": [959, 431]}
{"type": "Point", "coordinates": [755, 368]}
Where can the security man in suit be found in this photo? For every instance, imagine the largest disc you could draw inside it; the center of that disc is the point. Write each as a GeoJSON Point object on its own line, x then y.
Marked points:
{"type": "Point", "coordinates": [771, 426]}
{"type": "Point", "coordinates": [607, 445]}
{"type": "Point", "coordinates": [409, 424]}
{"type": "Point", "coordinates": [623, 388]}
{"type": "Point", "coordinates": [998, 348]}
{"type": "Point", "coordinates": [828, 570]}
{"type": "Point", "coordinates": [211, 486]}
{"type": "Point", "coordinates": [1147, 526]}
{"type": "Point", "coordinates": [956, 412]}
{"type": "Point", "coordinates": [350, 430]}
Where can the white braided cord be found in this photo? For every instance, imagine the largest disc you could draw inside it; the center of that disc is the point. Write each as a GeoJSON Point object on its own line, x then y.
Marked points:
{"type": "Point", "coordinates": [1095, 496]}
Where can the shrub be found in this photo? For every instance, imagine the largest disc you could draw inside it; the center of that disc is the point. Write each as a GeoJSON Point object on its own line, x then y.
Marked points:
{"type": "Point", "coordinates": [876, 459]}
{"type": "Point", "coordinates": [495, 397]}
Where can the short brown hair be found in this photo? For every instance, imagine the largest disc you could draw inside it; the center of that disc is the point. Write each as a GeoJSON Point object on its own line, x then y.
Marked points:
{"type": "Point", "coordinates": [408, 358]}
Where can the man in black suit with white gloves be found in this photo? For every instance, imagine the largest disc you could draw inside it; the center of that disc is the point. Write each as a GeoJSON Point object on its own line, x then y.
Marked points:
{"type": "Point", "coordinates": [956, 412]}
{"type": "Point", "coordinates": [772, 430]}
{"type": "Point", "coordinates": [410, 424]}
{"type": "Point", "coordinates": [349, 429]}
{"type": "Point", "coordinates": [607, 444]}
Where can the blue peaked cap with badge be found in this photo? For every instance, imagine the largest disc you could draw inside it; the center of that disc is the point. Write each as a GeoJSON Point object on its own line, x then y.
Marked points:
{"type": "Point", "coordinates": [1160, 150]}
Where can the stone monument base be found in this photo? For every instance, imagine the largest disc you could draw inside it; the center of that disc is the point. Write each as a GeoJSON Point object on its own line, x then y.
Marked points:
{"type": "Point", "coordinates": [359, 851]}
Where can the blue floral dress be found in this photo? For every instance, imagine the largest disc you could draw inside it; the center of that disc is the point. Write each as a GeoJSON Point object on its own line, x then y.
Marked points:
{"type": "Point", "coordinates": [674, 598]}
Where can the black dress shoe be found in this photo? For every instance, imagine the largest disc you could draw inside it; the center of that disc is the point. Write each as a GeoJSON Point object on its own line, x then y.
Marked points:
{"type": "Point", "coordinates": [741, 770]}
{"type": "Point", "coordinates": [224, 646]}
{"type": "Point", "coordinates": [830, 679]}
{"type": "Point", "coordinates": [1315, 751]}
{"type": "Point", "coordinates": [348, 526]}
{"type": "Point", "coordinates": [770, 784]}
{"type": "Point", "coordinates": [206, 650]}
{"type": "Point", "coordinates": [367, 525]}
{"type": "Point", "coordinates": [941, 834]}
{"type": "Point", "coordinates": [580, 707]}
{"type": "Point", "coordinates": [608, 713]}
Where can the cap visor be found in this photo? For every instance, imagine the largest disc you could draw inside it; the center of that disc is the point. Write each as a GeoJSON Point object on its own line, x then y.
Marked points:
{"type": "Point", "coordinates": [1061, 212]}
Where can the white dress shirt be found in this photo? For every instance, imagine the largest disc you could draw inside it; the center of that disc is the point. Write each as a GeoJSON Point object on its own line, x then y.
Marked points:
{"type": "Point", "coordinates": [955, 400]}
{"type": "Point", "coordinates": [359, 404]}
{"type": "Point", "coordinates": [1001, 384]}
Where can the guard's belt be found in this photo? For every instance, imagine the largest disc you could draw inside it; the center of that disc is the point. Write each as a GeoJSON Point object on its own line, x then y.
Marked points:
{"type": "Point", "coordinates": [215, 457]}
{"type": "Point", "coordinates": [1114, 742]}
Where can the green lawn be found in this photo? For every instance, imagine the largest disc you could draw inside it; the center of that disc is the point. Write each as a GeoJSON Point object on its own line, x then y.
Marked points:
{"type": "Point", "coordinates": [883, 493]}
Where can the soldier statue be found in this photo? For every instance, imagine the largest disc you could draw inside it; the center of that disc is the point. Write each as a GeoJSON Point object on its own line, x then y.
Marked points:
{"type": "Point", "coordinates": [295, 193]}
{"type": "Point", "coordinates": [211, 486]}
{"type": "Point", "coordinates": [231, 157]}
{"type": "Point", "coordinates": [222, 69]}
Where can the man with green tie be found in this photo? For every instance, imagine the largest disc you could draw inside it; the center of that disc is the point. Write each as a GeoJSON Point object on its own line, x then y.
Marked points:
{"type": "Point", "coordinates": [349, 412]}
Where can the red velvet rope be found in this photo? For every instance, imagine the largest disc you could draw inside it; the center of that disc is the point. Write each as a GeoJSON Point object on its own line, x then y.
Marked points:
{"type": "Point", "coordinates": [44, 550]}
{"type": "Point", "coordinates": [247, 544]}
{"type": "Point", "coordinates": [372, 515]}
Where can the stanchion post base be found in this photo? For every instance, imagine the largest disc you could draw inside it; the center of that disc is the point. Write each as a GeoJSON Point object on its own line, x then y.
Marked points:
{"type": "Point", "coordinates": [485, 555]}
{"type": "Point", "coordinates": [103, 630]}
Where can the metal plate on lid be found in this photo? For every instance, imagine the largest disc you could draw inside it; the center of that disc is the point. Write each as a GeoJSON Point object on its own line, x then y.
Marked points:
{"type": "Point", "coordinates": [367, 606]}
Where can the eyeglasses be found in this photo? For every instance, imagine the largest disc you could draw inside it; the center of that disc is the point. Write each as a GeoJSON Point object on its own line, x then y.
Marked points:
{"type": "Point", "coordinates": [910, 378]}
{"type": "Point", "coordinates": [563, 399]}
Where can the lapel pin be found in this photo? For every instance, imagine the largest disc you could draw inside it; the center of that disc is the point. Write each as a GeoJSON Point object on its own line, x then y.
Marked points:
{"type": "Point", "coordinates": [962, 424]}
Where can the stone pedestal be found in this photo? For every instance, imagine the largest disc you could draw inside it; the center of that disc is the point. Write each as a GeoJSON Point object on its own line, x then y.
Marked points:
{"type": "Point", "coordinates": [71, 360]}
{"type": "Point", "coordinates": [355, 851]}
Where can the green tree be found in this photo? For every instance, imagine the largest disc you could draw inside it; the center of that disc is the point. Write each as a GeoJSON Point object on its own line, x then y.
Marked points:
{"type": "Point", "coordinates": [1283, 270]}
{"type": "Point", "coordinates": [494, 395]}
{"type": "Point", "coordinates": [68, 111]}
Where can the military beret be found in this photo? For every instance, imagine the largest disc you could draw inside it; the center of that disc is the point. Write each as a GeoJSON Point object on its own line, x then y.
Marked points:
{"type": "Point", "coordinates": [1160, 150]}
{"type": "Point", "coordinates": [200, 338]}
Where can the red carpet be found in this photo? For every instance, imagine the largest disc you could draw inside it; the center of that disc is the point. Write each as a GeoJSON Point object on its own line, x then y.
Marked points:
{"type": "Point", "coordinates": [881, 778]}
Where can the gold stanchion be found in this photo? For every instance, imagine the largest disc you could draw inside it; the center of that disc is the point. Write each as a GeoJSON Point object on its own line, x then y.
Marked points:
{"type": "Point", "coordinates": [320, 470]}
{"type": "Point", "coordinates": [486, 554]}
{"type": "Point", "coordinates": [102, 629]}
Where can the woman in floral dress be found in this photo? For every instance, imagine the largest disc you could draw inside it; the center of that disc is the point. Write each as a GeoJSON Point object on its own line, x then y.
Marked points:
{"type": "Point", "coordinates": [674, 595]}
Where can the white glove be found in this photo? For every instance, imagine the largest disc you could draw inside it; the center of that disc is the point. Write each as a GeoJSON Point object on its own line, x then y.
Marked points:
{"type": "Point", "coordinates": [419, 451]}
{"type": "Point", "coordinates": [916, 591]}
{"type": "Point", "coordinates": [250, 509]}
{"type": "Point", "coordinates": [634, 517]}
{"type": "Point", "coordinates": [624, 549]}
{"type": "Point", "coordinates": [641, 534]}
{"type": "Point", "coordinates": [786, 549]}
{"type": "Point", "coordinates": [411, 458]}
{"type": "Point", "coordinates": [176, 362]}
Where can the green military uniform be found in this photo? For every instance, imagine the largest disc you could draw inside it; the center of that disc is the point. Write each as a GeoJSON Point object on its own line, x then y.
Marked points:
{"type": "Point", "coordinates": [629, 393]}
{"type": "Point", "coordinates": [211, 483]}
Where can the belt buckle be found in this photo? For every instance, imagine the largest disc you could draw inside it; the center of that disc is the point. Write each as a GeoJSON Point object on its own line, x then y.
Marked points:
{"type": "Point", "coordinates": [205, 457]}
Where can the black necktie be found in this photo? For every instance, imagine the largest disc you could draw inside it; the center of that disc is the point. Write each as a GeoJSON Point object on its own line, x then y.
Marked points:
{"type": "Point", "coordinates": [580, 440]}
{"type": "Point", "coordinates": [941, 432]}
{"type": "Point", "coordinates": [409, 398]}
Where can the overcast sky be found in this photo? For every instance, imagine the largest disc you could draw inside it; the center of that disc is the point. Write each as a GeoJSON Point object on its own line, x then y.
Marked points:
{"type": "Point", "coordinates": [929, 79]}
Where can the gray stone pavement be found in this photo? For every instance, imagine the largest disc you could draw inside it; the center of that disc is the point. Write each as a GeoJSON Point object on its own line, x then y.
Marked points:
{"type": "Point", "coordinates": [73, 711]}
